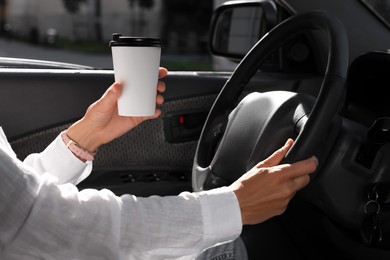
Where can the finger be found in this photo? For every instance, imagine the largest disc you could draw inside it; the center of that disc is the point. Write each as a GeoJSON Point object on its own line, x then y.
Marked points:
{"type": "Point", "coordinates": [277, 156]}
{"type": "Point", "coordinates": [300, 168]}
{"type": "Point", "coordinates": [110, 97]}
{"type": "Point", "coordinates": [159, 100]}
{"type": "Point", "coordinates": [161, 87]}
{"type": "Point", "coordinates": [157, 113]}
{"type": "Point", "coordinates": [301, 182]}
{"type": "Point", "coordinates": [117, 86]}
{"type": "Point", "coordinates": [162, 72]}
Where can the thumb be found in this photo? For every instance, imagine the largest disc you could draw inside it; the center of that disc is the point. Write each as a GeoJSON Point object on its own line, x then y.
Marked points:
{"type": "Point", "coordinates": [109, 98]}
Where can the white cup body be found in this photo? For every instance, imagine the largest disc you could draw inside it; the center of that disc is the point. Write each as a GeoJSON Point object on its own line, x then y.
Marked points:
{"type": "Point", "coordinates": [137, 68]}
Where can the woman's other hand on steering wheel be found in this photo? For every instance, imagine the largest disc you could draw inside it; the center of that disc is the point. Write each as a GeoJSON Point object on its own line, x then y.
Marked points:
{"type": "Point", "coordinates": [266, 189]}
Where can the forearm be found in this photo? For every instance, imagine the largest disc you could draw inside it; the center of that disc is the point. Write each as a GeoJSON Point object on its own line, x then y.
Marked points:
{"type": "Point", "coordinates": [61, 222]}
{"type": "Point", "coordinates": [189, 223]}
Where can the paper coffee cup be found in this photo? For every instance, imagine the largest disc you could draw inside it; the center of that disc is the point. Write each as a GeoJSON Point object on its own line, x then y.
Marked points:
{"type": "Point", "coordinates": [136, 63]}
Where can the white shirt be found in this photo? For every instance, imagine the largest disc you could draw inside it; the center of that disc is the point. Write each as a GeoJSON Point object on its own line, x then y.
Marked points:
{"type": "Point", "coordinates": [44, 216]}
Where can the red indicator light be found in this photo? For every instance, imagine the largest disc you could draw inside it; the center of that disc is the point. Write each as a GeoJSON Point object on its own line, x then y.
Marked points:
{"type": "Point", "coordinates": [181, 120]}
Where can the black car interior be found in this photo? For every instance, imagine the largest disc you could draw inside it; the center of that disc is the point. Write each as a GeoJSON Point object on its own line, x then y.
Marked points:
{"type": "Point", "coordinates": [334, 107]}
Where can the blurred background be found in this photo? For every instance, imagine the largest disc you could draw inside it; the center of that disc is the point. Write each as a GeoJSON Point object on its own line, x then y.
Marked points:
{"type": "Point", "coordinates": [78, 31]}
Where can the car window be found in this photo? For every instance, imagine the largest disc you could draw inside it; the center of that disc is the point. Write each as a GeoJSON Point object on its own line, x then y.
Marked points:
{"type": "Point", "coordinates": [381, 8]}
{"type": "Point", "coordinates": [78, 31]}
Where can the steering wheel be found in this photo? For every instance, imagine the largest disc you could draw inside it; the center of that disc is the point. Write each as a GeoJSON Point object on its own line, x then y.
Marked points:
{"type": "Point", "coordinates": [236, 137]}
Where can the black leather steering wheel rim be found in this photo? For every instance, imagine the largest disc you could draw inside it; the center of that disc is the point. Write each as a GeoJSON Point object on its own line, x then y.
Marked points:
{"type": "Point", "coordinates": [325, 107]}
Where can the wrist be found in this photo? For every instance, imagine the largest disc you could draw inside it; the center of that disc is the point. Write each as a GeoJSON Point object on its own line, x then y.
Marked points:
{"type": "Point", "coordinates": [76, 149]}
{"type": "Point", "coordinates": [235, 188]}
{"type": "Point", "coordinates": [84, 137]}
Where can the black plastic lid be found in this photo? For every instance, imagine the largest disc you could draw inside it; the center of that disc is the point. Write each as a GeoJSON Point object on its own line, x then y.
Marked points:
{"type": "Point", "coordinates": [119, 40]}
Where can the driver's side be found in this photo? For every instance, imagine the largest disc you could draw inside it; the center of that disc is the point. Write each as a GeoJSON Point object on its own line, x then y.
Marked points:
{"type": "Point", "coordinates": [332, 215]}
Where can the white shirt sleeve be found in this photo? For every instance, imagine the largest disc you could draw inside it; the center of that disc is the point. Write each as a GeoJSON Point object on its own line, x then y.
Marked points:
{"type": "Point", "coordinates": [58, 161]}
{"type": "Point", "coordinates": [41, 219]}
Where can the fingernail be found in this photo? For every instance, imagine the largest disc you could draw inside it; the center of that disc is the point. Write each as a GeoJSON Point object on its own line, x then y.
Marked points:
{"type": "Point", "coordinates": [315, 160]}
{"type": "Point", "coordinates": [289, 140]}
